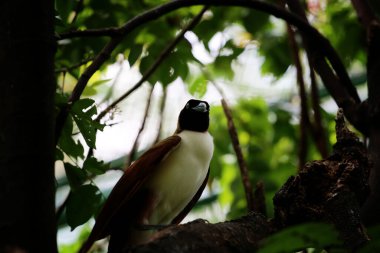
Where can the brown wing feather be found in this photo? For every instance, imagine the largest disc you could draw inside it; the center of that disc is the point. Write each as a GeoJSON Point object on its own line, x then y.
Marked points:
{"type": "Point", "coordinates": [192, 203]}
{"type": "Point", "coordinates": [128, 185]}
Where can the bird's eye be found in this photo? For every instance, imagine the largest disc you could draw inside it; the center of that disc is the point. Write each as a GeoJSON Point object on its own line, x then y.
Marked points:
{"type": "Point", "coordinates": [187, 106]}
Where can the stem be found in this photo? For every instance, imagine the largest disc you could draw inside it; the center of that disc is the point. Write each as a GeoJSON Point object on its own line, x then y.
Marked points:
{"type": "Point", "coordinates": [163, 55]}
{"type": "Point", "coordinates": [239, 154]}
{"type": "Point", "coordinates": [132, 154]}
{"type": "Point", "coordinates": [304, 121]}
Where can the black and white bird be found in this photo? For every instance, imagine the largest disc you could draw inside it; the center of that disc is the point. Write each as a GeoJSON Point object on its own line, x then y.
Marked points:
{"type": "Point", "coordinates": [162, 186]}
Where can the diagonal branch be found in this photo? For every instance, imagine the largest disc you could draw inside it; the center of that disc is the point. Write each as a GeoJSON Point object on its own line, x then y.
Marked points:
{"type": "Point", "coordinates": [133, 152]}
{"type": "Point", "coordinates": [348, 98]}
{"type": "Point", "coordinates": [252, 204]}
{"type": "Point", "coordinates": [336, 80]}
{"type": "Point", "coordinates": [163, 55]}
{"type": "Point", "coordinates": [305, 120]}
{"type": "Point", "coordinates": [364, 12]}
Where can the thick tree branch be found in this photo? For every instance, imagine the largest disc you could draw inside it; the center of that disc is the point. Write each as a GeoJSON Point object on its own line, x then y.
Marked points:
{"type": "Point", "coordinates": [337, 83]}
{"type": "Point", "coordinates": [364, 12]}
{"type": "Point", "coordinates": [241, 235]}
{"type": "Point", "coordinates": [372, 207]}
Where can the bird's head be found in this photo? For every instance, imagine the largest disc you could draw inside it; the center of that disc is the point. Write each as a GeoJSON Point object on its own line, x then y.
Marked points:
{"type": "Point", "coordinates": [194, 116]}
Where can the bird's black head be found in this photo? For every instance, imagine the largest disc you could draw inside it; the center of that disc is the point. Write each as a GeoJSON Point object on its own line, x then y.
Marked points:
{"type": "Point", "coordinates": [194, 116]}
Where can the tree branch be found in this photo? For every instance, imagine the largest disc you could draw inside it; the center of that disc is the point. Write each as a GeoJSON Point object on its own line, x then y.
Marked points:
{"type": "Point", "coordinates": [165, 53]}
{"type": "Point", "coordinates": [241, 235]}
{"type": "Point", "coordinates": [102, 32]}
{"type": "Point", "coordinates": [132, 154]}
{"type": "Point", "coordinates": [338, 84]}
{"type": "Point", "coordinates": [364, 12]}
{"type": "Point", "coordinates": [161, 117]}
{"type": "Point", "coordinates": [305, 120]}
{"type": "Point", "coordinates": [319, 133]}
{"type": "Point", "coordinates": [239, 154]}
{"type": "Point", "coordinates": [66, 69]}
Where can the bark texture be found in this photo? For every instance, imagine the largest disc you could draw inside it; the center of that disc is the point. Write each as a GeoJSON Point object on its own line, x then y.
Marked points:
{"type": "Point", "coordinates": [27, 221]}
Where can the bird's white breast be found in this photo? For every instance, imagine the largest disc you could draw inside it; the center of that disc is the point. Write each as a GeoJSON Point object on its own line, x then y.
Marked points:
{"type": "Point", "coordinates": [180, 175]}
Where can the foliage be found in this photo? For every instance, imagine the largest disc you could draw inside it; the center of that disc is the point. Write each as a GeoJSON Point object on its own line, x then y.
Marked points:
{"type": "Point", "coordinates": [317, 236]}
{"type": "Point", "coordinates": [268, 132]}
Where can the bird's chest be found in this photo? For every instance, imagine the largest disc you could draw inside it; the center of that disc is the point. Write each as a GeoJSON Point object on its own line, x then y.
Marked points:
{"type": "Point", "coordinates": [180, 176]}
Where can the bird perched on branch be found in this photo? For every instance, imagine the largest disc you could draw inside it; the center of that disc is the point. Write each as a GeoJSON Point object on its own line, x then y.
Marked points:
{"type": "Point", "coordinates": [161, 187]}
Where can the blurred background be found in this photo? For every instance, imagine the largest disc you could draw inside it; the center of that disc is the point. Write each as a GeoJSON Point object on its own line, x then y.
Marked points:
{"type": "Point", "coordinates": [244, 56]}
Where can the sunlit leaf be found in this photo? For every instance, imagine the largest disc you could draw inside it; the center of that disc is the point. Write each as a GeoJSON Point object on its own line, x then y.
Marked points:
{"type": "Point", "coordinates": [198, 87]}
{"type": "Point", "coordinates": [82, 112]}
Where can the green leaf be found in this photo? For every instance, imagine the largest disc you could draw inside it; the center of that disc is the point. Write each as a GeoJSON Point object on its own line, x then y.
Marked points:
{"type": "Point", "coordinates": [135, 53]}
{"type": "Point", "coordinates": [64, 8]}
{"type": "Point", "coordinates": [82, 112]}
{"type": "Point", "coordinates": [276, 53]}
{"type": "Point", "coordinates": [66, 142]}
{"type": "Point", "coordinates": [90, 90]}
{"type": "Point", "coordinates": [222, 67]}
{"type": "Point", "coordinates": [198, 87]}
{"type": "Point", "coordinates": [82, 204]}
{"type": "Point", "coordinates": [254, 21]}
{"type": "Point", "coordinates": [172, 67]}
{"type": "Point", "coordinates": [92, 165]}
{"type": "Point", "coordinates": [75, 175]}
{"type": "Point", "coordinates": [292, 239]}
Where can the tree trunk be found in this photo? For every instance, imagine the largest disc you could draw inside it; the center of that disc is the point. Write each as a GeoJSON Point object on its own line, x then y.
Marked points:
{"type": "Point", "coordinates": [27, 86]}
{"type": "Point", "coordinates": [371, 209]}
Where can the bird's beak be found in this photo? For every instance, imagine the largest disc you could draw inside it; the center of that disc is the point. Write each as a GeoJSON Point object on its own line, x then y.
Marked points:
{"type": "Point", "coordinates": [201, 107]}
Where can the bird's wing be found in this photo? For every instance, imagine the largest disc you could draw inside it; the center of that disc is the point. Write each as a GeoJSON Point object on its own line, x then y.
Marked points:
{"type": "Point", "coordinates": [126, 188]}
{"type": "Point", "coordinates": [193, 201]}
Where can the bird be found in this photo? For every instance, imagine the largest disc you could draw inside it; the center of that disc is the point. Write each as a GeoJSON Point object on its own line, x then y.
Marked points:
{"type": "Point", "coordinates": [160, 187]}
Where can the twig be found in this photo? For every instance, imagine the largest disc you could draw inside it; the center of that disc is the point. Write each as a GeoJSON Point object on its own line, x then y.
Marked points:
{"type": "Point", "coordinates": [78, 9]}
{"type": "Point", "coordinates": [115, 80]}
{"type": "Point", "coordinates": [319, 134]}
{"type": "Point", "coordinates": [305, 121]}
{"type": "Point", "coordinates": [239, 154]}
{"type": "Point", "coordinates": [165, 53]}
{"type": "Point", "coordinates": [161, 117]}
{"type": "Point", "coordinates": [67, 69]}
{"type": "Point", "coordinates": [109, 32]}
{"type": "Point", "coordinates": [142, 127]}
{"type": "Point", "coordinates": [252, 203]}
